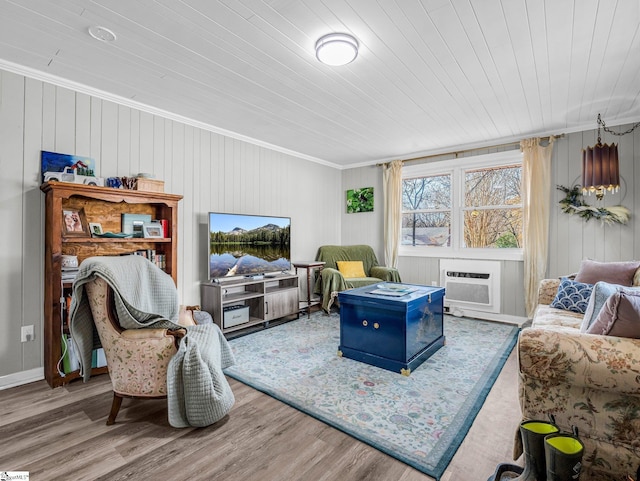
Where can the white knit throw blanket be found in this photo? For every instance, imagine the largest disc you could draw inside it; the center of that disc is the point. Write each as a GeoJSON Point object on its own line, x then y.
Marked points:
{"type": "Point", "coordinates": [145, 297]}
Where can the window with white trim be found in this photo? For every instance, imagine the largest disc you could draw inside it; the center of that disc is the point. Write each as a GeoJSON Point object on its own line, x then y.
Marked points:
{"type": "Point", "coordinates": [469, 207]}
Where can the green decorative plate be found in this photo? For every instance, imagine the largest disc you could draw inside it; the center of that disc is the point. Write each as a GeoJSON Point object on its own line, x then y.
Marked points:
{"type": "Point", "coordinates": [114, 235]}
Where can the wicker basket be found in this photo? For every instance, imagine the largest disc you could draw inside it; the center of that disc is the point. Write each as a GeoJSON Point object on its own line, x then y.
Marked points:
{"type": "Point", "coordinates": [149, 185]}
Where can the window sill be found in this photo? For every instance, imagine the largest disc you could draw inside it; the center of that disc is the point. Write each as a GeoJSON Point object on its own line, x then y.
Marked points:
{"type": "Point", "coordinates": [449, 253]}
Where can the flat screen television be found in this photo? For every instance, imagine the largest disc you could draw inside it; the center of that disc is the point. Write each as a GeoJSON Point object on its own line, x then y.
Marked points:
{"type": "Point", "coordinates": [247, 245]}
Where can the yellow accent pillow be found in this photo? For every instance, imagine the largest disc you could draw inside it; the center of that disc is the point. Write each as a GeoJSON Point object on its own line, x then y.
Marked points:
{"type": "Point", "coordinates": [350, 269]}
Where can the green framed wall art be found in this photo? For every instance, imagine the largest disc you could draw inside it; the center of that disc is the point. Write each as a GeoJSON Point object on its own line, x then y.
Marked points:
{"type": "Point", "coordinates": [360, 200]}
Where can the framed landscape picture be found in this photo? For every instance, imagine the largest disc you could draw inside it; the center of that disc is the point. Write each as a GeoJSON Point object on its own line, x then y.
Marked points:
{"type": "Point", "coordinates": [360, 200]}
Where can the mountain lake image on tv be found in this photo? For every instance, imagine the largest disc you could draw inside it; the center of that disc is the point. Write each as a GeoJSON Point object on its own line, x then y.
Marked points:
{"type": "Point", "coordinates": [244, 245]}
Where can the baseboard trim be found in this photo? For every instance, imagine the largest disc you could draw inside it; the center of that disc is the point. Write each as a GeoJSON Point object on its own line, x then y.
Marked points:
{"type": "Point", "coordinates": [22, 377]}
{"type": "Point", "coordinates": [491, 316]}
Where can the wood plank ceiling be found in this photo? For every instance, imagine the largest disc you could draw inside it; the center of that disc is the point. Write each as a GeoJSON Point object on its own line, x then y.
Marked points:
{"type": "Point", "coordinates": [432, 75]}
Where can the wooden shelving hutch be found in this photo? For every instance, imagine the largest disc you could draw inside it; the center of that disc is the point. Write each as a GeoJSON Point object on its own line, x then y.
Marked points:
{"type": "Point", "coordinates": [105, 206]}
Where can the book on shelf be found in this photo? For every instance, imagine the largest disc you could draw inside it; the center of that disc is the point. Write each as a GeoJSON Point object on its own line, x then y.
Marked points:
{"type": "Point", "coordinates": [68, 274]}
{"type": "Point", "coordinates": [98, 358]}
{"type": "Point", "coordinates": [70, 360]}
{"type": "Point", "coordinates": [148, 253]}
{"type": "Point", "coordinates": [67, 309]}
{"type": "Point", "coordinates": [165, 227]}
{"type": "Point", "coordinates": [158, 259]}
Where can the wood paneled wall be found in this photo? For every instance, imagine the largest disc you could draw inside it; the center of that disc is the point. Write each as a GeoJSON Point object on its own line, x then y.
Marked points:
{"type": "Point", "coordinates": [570, 238]}
{"type": "Point", "coordinates": [218, 173]}
{"type": "Point", "coordinates": [211, 171]}
{"type": "Point", "coordinates": [364, 227]}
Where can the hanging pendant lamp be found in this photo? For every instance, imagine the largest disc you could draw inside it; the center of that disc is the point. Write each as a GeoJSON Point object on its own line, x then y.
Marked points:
{"type": "Point", "coordinates": [600, 167]}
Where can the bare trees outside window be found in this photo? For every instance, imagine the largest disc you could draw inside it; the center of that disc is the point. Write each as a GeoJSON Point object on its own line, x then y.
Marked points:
{"type": "Point", "coordinates": [426, 211]}
{"type": "Point", "coordinates": [479, 207]}
{"type": "Point", "coordinates": [493, 208]}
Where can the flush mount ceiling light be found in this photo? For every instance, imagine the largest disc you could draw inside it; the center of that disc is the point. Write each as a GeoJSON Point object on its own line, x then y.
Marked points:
{"type": "Point", "coordinates": [336, 49]}
{"type": "Point", "coordinates": [102, 33]}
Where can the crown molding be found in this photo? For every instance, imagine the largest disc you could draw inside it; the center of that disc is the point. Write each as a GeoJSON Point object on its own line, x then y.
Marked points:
{"type": "Point", "coordinates": [117, 99]}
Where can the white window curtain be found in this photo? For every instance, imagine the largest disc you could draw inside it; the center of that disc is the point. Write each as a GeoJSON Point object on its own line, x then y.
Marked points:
{"type": "Point", "coordinates": [536, 193]}
{"type": "Point", "coordinates": [392, 188]}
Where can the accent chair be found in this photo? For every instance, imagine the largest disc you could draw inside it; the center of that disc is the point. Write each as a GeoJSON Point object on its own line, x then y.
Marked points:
{"type": "Point", "coordinates": [347, 267]}
{"type": "Point", "coordinates": [149, 350]}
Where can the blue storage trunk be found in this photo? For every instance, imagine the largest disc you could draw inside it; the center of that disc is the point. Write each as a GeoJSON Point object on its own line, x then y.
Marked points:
{"type": "Point", "coordinates": [383, 327]}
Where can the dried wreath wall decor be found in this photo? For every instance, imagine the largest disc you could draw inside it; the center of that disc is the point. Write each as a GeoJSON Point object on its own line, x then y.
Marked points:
{"type": "Point", "coordinates": [573, 204]}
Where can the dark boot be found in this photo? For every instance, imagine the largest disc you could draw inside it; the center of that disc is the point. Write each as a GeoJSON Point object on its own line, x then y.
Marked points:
{"type": "Point", "coordinates": [533, 434]}
{"type": "Point", "coordinates": [563, 455]}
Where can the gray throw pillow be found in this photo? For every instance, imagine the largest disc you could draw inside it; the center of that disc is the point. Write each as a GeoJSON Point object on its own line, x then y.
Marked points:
{"type": "Point", "coordinates": [620, 315]}
{"type": "Point", "coordinates": [601, 292]}
{"type": "Point", "coordinates": [202, 317]}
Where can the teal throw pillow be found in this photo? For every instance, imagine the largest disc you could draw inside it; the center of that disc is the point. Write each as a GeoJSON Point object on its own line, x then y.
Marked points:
{"type": "Point", "coordinates": [572, 296]}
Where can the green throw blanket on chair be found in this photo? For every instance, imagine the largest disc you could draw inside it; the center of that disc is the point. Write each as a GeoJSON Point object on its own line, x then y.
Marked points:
{"type": "Point", "coordinates": [331, 281]}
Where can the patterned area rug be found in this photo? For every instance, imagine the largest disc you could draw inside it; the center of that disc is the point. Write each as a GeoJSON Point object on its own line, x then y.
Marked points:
{"type": "Point", "coordinates": [420, 420]}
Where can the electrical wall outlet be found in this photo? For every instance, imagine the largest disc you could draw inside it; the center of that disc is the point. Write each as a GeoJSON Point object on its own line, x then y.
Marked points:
{"type": "Point", "coordinates": [27, 334]}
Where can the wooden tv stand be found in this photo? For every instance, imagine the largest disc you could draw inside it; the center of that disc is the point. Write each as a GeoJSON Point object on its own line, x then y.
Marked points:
{"type": "Point", "coordinates": [269, 298]}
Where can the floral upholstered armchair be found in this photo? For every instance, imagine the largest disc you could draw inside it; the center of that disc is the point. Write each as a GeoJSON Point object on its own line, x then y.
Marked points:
{"type": "Point", "coordinates": [137, 359]}
{"type": "Point", "coordinates": [347, 267]}
{"type": "Point", "coordinates": [590, 381]}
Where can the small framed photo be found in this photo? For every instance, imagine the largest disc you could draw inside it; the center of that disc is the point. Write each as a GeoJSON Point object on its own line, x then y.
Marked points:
{"type": "Point", "coordinates": [95, 228]}
{"type": "Point", "coordinates": [74, 223]}
{"type": "Point", "coordinates": [152, 231]}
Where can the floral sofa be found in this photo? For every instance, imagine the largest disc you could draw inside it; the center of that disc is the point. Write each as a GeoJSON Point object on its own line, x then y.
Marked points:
{"type": "Point", "coordinates": [590, 381]}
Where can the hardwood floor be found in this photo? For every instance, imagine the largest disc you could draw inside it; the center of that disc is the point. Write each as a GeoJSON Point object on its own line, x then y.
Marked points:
{"type": "Point", "coordinates": [59, 434]}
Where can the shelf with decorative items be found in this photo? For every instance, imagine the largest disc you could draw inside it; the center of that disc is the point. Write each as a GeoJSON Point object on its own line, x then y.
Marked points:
{"type": "Point", "coordinates": [238, 303]}
{"type": "Point", "coordinates": [82, 221]}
